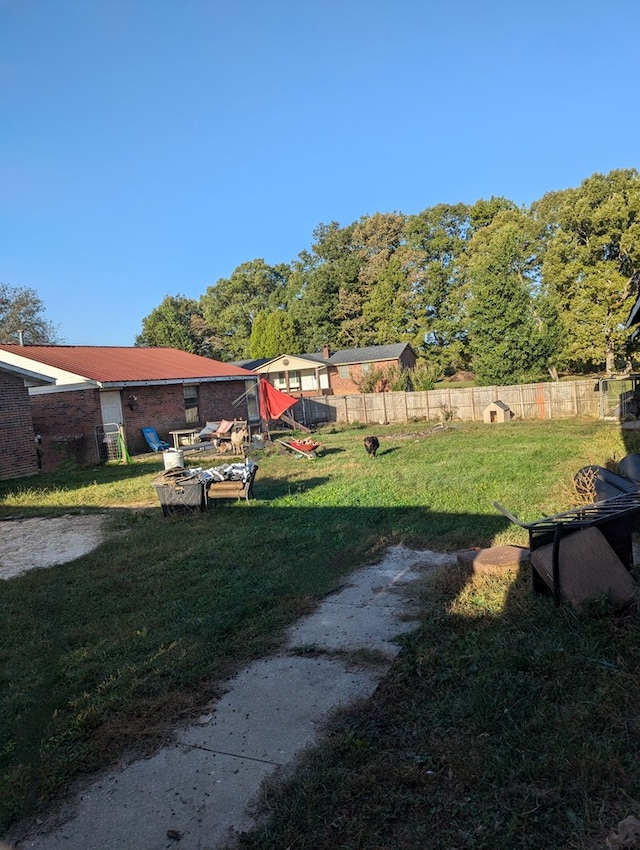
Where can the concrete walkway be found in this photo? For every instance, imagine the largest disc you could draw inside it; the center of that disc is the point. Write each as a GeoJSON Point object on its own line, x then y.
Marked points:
{"type": "Point", "coordinates": [199, 791]}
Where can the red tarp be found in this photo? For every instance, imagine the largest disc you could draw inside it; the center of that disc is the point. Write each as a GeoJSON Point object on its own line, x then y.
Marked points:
{"type": "Point", "coordinates": [273, 403]}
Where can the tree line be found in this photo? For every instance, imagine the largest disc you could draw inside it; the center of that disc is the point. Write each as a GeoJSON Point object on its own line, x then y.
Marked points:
{"type": "Point", "coordinates": [511, 293]}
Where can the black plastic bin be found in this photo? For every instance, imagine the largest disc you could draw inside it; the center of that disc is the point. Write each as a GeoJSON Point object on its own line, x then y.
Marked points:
{"type": "Point", "coordinates": [182, 495]}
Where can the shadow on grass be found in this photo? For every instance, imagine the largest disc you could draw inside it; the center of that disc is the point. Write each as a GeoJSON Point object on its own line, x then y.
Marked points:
{"type": "Point", "coordinates": [504, 723]}
{"type": "Point", "coordinates": [104, 653]}
{"type": "Point", "coordinates": [388, 451]}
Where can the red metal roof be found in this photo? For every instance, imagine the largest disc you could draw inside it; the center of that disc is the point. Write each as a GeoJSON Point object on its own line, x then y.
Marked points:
{"type": "Point", "coordinates": [110, 364]}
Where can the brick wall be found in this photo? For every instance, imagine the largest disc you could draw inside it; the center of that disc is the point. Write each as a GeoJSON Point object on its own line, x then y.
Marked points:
{"type": "Point", "coordinates": [347, 386]}
{"type": "Point", "coordinates": [18, 455]}
{"type": "Point", "coordinates": [67, 421]}
{"type": "Point", "coordinates": [163, 408]}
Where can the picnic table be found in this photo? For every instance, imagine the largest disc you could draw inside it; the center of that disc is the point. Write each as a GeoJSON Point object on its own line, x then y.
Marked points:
{"type": "Point", "coordinates": [189, 436]}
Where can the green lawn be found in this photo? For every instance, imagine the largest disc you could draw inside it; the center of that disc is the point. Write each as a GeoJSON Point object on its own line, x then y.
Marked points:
{"type": "Point", "coordinates": [505, 722]}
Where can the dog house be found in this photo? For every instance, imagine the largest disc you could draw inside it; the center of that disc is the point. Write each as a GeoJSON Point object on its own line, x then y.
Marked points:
{"type": "Point", "coordinates": [497, 411]}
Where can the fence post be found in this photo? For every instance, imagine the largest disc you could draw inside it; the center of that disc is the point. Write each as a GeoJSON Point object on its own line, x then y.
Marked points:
{"type": "Point", "coordinates": [540, 402]}
{"type": "Point", "coordinates": [521, 394]}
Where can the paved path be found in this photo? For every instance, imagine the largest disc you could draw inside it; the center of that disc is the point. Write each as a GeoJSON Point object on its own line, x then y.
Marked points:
{"type": "Point", "coordinates": [198, 792]}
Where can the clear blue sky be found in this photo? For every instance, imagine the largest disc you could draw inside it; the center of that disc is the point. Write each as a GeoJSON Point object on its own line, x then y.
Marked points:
{"type": "Point", "coordinates": [148, 147]}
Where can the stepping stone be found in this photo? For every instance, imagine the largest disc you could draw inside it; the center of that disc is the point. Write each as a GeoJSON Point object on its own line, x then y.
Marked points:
{"type": "Point", "coordinates": [494, 561]}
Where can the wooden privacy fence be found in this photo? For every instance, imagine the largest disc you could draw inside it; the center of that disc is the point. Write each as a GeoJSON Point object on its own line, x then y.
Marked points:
{"type": "Point", "coordinates": [557, 400]}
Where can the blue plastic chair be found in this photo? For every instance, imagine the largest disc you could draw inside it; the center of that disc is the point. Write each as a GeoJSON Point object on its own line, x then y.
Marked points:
{"type": "Point", "coordinates": [154, 442]}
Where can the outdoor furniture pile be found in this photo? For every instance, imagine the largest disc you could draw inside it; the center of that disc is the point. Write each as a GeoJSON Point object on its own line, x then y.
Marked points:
{"type": "Point", "coordinates": [587, 551]}
{"type": "Point", "coordinates": [181, 489]}
{"type": "Point", "coordinates": [227, 435]}
{"type": "Point", "coordinates": [232, 481]}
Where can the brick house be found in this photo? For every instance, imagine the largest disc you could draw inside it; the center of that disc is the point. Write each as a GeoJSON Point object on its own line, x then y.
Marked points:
{"type": "Point", "coordinates": [19, 452]}
{"type": "Point", "coordinates": [95, 387]}
{"type": "Point", "coordinates": [327, 373]}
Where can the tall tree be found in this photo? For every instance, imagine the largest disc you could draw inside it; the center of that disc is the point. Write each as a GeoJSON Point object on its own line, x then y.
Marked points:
{"type": "Point", "coordinates": [374, 307]}
{"type": "Point", "coordinates": [175, 323]}
{"type": "Point", "coordinates": [508, 338]}
{"type": "Point", "coordinates": [230, 307]}
{"type": "Point", "coordinates": [316, 280]}
{"type": "Point", "coordinates": [440, 234]}
{"type": "Point", "coordinates": [592, 252]}
{"type": "Point", "coordinates": [22, 317]}
{"type": "Point", "coordinates": [273, 333]}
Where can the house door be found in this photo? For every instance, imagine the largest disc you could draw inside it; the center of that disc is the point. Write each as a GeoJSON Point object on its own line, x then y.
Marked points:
{"type": "Point", "coordinates": [110, 437]}
{"type": "Point", "coordinates": [111, 406]}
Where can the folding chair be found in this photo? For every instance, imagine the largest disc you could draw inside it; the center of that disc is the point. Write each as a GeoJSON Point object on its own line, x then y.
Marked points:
{"type": "Point", "coordinates": [153, 441]}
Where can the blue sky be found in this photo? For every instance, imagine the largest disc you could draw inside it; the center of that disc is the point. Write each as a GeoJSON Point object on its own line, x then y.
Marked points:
{"type": "Point", "coordinates": [148, 147]}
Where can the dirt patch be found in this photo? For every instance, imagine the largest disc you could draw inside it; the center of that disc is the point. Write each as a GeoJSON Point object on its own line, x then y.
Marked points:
{"type": "Point", "coordinates": [28, 544]}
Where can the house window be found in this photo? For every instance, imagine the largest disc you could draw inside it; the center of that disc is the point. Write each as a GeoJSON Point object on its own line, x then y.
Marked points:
{"type": "Point", "coordinates": [366, 368]}
{"type": "Point", "coordinates": [343, 371]}
{"type": "Point", "coordinates": [280, 381]}
{"type": "Point", "coordinates": [294, 380]}
{"type": "Point", "coordinates": [191, 411]}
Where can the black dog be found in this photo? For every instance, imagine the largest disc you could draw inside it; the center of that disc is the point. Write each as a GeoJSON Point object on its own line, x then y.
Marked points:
{"type": "Point", "coordinates": [371, 444]}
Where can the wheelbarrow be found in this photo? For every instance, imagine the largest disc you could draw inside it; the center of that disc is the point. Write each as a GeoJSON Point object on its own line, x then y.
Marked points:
{"type": "Point", "coordinates": [301, 448]}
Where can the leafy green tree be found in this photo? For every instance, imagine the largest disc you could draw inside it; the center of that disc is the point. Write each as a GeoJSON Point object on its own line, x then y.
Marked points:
{"type": "Point", "coordinates": [440, 235]}
{"type": "Point", "coordinates": [22, 318]}
{"type": "Point", "coordinates": [374, 309]}
{"type": "Point", "coordinates": [509, 341]}
{"type": "Point", "coordinates": [483, 212]}
{"type": "Point", "coordinates": [592, 252]}
{"type": "Point", "coordinates": [176, 323]}
{"type": "Point", "coordinates": [385, 311]}
{"type": "Point", "coordinates": [258, 346]}
{"type": "Point", "coordinates": [317, 278]}
{"type": "Point", "coordinates": [273, 333]}
{"type": "Point", "coordinates": [424, 375]}
{"type": "Point", "coordinates": [370, 382]}
{"type": "Point", "coordinates": [396, 379]}
{"type": "Point", "coordinates": [231, 306]}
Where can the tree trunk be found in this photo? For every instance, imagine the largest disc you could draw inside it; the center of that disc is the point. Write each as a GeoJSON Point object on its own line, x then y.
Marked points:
{"type": "Point", "coordinates": [610, 365]}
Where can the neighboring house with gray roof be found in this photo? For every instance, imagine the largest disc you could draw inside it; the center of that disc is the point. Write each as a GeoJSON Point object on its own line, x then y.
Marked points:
{"type": "Point", "coordinates": [330, 373]}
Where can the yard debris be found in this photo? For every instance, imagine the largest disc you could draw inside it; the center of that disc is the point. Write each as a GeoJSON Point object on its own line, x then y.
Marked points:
{"type": "Point", "coordinates": [627, 834]}
{"type": "Point", "coordinates": [418, 435]}
{"type": "Point", "coordinates": [590, 569]}
{"type": "Point", "coordinates": [495, 560]}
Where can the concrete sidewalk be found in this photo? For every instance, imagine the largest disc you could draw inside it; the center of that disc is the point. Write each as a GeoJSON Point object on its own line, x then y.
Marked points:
{"type": "Point", "coordinates": [198, 792]}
